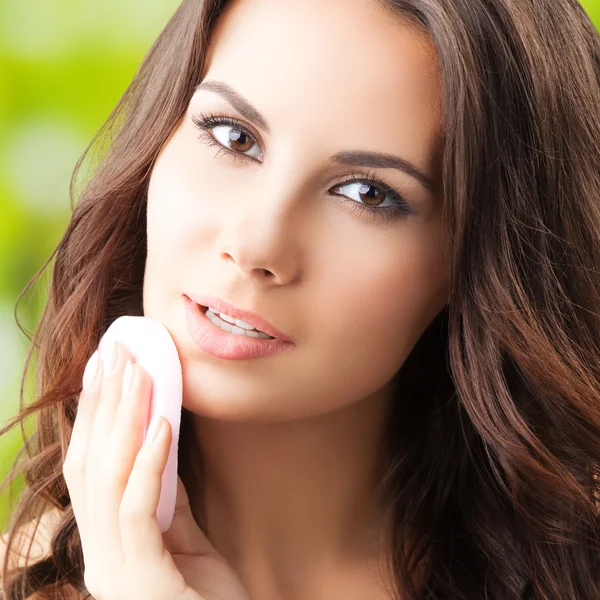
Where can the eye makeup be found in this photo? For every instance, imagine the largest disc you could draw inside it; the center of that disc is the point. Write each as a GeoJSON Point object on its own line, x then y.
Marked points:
{"type": "Point", "coordinates": [399, 208]}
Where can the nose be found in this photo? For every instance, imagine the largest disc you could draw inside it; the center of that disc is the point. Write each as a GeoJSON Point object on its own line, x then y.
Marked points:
{"type": "Point", "coordinates": [260, 237]}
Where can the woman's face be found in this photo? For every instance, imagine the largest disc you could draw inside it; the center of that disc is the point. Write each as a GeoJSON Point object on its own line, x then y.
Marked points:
{"type": "Point", "coordinates": [271, 223]}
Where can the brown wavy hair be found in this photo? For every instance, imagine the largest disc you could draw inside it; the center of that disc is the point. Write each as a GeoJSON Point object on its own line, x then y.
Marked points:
{"type": "Point", "coordinates": [493, 455]}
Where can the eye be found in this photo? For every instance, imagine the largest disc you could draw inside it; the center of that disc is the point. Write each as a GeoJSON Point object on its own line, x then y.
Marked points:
{"type": "Point", "coordinates": [371, 194]}
{"type": "Point", "coordinates": [231, 137]}
{"type": "Point", "coordinates": [229, 134]}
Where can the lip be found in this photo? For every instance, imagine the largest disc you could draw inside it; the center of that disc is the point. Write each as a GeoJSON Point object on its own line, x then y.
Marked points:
{"type": "Point", "coordinates": [251, 318]}
{"type": "Point", "coordinates": [217, 342]}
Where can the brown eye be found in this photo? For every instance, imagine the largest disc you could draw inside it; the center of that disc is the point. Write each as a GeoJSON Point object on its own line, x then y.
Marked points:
{"type": "Point", "coordinates": [368, 193]}
{"type": "Point", "coordinates": [228, 134]}
{"type": "Point", "coordinates": [371, 195]}
{"type": "Point", "coordinates": [236, 140]}
{"type": "Point", "coordinates": [240, 141]}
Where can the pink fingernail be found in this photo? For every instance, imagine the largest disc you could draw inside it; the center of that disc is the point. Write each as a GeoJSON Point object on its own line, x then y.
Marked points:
{"type": "Point", "coordinates": [154, 430]}
{"type": "Point", "coordinates": [91, 371]}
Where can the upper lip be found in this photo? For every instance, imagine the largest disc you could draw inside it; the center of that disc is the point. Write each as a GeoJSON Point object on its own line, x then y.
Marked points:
{"type": "Point", "coordinates": [247, 316]}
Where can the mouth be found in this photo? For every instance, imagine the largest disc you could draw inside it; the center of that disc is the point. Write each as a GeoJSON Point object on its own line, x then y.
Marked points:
{"type": "Point", "coordinates": [228, 316]}
{"type": "Point", "coordinates": [232, 325]}
{"type": "Point", "coordinates": [225, 340]}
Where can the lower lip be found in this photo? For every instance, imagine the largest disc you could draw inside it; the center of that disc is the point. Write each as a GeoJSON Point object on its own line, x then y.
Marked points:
{"type": "Point", "coordinates": [218, 342]}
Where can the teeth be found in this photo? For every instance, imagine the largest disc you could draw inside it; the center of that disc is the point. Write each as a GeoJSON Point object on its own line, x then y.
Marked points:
{"type": "Point", "coordinates": [233, 321]}
{"type": "Point", "coordinates": [236, 326]}
{"type": "Point", "coordinates": [228, 318]}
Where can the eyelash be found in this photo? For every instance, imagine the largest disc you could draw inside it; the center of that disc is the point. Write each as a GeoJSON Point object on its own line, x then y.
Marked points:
{"type": "Point", "coordinates": [401, 209]}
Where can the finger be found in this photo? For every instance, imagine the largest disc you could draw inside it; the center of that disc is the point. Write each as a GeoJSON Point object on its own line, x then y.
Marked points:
{"type": "Point", "coordinates": [102, 518]}
{"type": "Point", "coordinates": [124, 442]}
{"type": "Point", "coordinates": [140, 532]}
{"type": "Point", "coordinates": [130, 424]}
{"type": "Point", "coordinates": [76, 456]}
{"type": "Point", "coordinates": [110, 395]}
{"type": "Point", "coordinates": [86, 408]}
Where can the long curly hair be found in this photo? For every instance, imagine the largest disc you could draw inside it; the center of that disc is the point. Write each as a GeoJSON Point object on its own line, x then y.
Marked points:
{"type": "Point", "coordinates": [493, 456]}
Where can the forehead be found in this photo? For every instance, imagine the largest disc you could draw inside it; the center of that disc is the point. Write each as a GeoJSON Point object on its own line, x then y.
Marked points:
{"type": "Point", "coordinates": [333, 61]}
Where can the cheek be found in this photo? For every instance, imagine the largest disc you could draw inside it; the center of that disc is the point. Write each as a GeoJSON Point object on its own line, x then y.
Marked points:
{"type": "Point", "coordinates": [377, 310]}
{"type": "Point", "coordinates": [181, 197]}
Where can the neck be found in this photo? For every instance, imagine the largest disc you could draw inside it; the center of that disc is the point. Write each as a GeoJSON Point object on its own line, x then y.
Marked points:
{"type": "Point", "coordinates": [295, 497]}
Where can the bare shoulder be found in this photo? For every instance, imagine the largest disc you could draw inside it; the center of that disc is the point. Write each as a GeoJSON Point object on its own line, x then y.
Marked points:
{"type": "Point", "coordinates": [40, 539]}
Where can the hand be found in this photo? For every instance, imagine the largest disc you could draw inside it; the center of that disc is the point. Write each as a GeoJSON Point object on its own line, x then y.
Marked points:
{"type": "Point", "coordinates": [114, 484]}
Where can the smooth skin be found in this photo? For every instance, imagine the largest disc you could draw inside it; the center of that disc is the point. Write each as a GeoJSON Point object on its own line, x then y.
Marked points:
{"type": "Point", "coordinates": [114, 484]}
{"type": "Point", "coordinates": [290, 443]}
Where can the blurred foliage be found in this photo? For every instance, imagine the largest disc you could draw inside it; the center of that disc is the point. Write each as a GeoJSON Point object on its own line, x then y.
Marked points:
{"type": "Point", "coordinates": [593, 9]}
{"type": "Point", "coordinates": [63, 66]}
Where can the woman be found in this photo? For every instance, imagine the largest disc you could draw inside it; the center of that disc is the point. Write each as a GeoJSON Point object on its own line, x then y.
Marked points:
{"type": "Point", "coordinates": [408, 192]}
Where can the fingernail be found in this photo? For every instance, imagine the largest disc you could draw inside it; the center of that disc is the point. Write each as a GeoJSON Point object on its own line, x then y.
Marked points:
{"type": "Point", "coordinates": [127, 378]}
{"type": "Point", "coordinates": [91, 371]}
{"type": "Point", "coordinates": [109, 358]}
{"type": "Point", "coordinates": [154, 429]}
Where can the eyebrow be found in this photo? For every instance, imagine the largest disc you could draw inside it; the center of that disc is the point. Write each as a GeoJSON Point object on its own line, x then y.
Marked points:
{"type": "Point", "coordinates": [349, 158]}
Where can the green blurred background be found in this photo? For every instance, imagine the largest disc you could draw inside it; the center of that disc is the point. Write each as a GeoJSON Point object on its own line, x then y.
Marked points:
{"type": "Point", "coordinates": [63, 66]}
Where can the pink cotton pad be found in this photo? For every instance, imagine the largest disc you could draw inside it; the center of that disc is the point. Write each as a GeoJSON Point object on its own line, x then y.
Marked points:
{"type": "Point", "coordinates": [153, 348]}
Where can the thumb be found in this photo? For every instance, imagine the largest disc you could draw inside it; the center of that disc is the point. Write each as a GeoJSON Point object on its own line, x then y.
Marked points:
{"type": "Point", "coordinates": [184, 536]}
